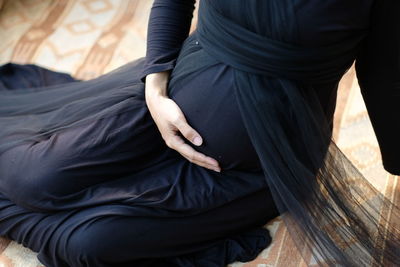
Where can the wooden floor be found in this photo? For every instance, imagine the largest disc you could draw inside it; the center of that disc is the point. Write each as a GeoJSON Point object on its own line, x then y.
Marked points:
{"type": "Point", "coordinates": [90, 37]}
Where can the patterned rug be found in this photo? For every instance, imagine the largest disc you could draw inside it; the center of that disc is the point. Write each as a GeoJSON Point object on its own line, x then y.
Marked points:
{"type": "Point", "coordinates": [90, 37]}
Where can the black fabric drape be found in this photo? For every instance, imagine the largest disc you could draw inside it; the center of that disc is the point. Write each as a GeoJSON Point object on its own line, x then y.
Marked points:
{"type": "Point", "coordinates": [331, 209]}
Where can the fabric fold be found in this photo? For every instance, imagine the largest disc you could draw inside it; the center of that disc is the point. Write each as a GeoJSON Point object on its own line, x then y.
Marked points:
{"type": "Point", "coordinates": [330, 209]}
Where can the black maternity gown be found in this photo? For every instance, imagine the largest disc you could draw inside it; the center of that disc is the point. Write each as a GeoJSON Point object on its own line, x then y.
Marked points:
{"type": "Point", "coordinates": [86, 179]}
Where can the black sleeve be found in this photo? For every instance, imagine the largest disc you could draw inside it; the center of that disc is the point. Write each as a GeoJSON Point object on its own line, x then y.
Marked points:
{"type": "Point", "coordinates": [169, 25]}
{"type": "Point", "coordinates": [378, 72]}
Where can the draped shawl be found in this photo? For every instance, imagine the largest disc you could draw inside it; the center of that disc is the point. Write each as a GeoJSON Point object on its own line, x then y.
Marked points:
{"type": "Point", "coordinates": [330, 209]}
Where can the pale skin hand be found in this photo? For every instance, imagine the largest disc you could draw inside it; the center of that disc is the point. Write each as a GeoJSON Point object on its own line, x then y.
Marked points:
{"type": "Point", "coordinates": [171, 122]}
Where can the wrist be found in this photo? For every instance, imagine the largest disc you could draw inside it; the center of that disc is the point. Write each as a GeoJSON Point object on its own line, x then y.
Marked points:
{"type": "Point", "coordinates": [156, 83]}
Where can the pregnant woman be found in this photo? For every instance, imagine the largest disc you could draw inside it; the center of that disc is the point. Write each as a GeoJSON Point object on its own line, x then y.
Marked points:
{"type": "Point", "coordinates": [179, 159]}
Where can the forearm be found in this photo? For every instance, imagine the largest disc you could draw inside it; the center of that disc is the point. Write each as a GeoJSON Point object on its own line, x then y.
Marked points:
{"type": "Point", "coordinates": [378, 69]}
{"type": "Point", "coordinates": [169, 25]}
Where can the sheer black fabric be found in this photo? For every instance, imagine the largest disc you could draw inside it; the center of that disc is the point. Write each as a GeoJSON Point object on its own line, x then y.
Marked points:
{"type": "Point", "coordinates": [332, 209]}
{"type": "Point", "coordinates": [245, 50]}
{"type": "Point", "coordinates": [33, 114]}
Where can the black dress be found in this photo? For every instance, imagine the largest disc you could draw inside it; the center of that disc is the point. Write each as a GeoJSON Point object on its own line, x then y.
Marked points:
{"type": "Point", "coordinates": [86, 179]}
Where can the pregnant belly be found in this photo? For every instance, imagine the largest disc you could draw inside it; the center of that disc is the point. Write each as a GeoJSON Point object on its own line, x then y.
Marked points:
{"type": "Point", "coordinates": [208, 101]}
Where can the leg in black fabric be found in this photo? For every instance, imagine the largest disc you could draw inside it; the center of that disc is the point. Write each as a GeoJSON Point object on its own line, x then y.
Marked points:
{"type": "Point", "coordinates": [37, 175]}
{"type": "Point", "coordinates": [91, 238]}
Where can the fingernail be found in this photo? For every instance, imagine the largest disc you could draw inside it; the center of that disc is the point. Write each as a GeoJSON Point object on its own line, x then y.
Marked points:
{"type": "Point", "coordinates": [217, 170]}
{"type": "Point", "coordinates": [197, 141]}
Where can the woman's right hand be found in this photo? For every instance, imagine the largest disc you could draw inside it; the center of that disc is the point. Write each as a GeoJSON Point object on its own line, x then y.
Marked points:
{"type": "Point", "coordinates": [171, 122]}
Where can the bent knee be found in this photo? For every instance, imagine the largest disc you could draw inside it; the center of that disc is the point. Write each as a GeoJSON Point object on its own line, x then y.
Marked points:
{"type": "Point", "coordinates": [30, 181]}
{"type": "Point", "coordinates": [35, 191]}
{"type": "Point", "coordinates": [90, 247]}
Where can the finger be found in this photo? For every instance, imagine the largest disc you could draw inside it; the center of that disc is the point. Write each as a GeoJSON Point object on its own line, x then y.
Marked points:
{"type": "Point", "coordinates": [202, 162]}
{"type": "Point", "coordinates": [210, 167]}
{"type": "Point", "coordinates": [193, 156]}
{"type": "Point", "coordinates": [188, 132]}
